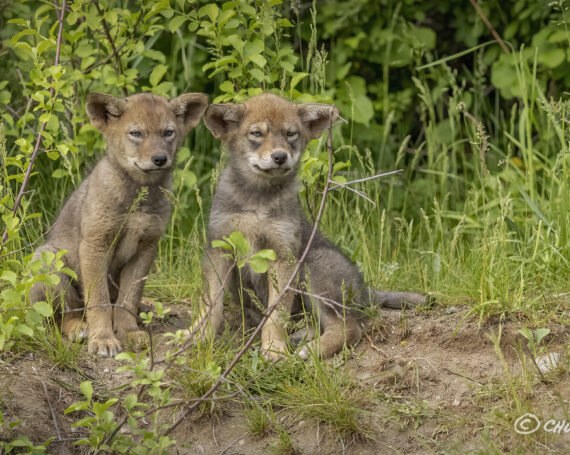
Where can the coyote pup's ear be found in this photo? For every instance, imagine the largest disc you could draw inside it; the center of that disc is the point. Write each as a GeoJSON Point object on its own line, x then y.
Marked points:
{"type": "Point", "coordinates": [220, 119]}
{"type": "Point", "coordinates": [102, 108]}
{"type": "Point", "coordinates": [317, 117]}
{"type": "Point", "coordinates": [189, 108]}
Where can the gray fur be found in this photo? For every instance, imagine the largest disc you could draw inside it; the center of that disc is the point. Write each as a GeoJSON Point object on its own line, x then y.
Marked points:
{"type": "Point", "coordinates": [260, 200]}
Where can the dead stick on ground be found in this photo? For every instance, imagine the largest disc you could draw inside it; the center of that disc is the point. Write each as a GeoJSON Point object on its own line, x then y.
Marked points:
{"type": "Point", "coordinates": [40, 133]}
{"type": "Point", "coordinates": [52, 412]}
{"type": "Point", "coordinates": [489, 26]}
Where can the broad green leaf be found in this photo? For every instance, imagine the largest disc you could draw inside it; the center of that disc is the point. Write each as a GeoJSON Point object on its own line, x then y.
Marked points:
{"type": "Point", "coordinates": [176, 22]}
{"type": "Point", "coordinates": [363, 110]}
{"type": "Point", "coordinates": [221, 244]}
{"type": "Point", "coordinates": [257, 74]}
{"type": "Point", "coordinates": [253, 47]}
{"type": "Point", "coordinates": [258, 59]}
{"type": "Point", "coordinates": [58, 173]}
{"type": "Point", "coordinates": [240, 243]}
{"type": "Point", "coordinates": [25, 330]}
{"type": "Point", "coordinates": [297, 78]}
{"type": "Point", "coordinates": [211, 10]}
{"type": "Point", "coordinates": [77, 406]}
{"type": "Point", "coordinates": [156, 74]}
{"type": "Point", "coordinates": [259, 262]}
{"type": "Point", "coordinates": [45, 309]}
{"type": "Point", "coordinates": [87, 389]}
{"type": "Point", "coordinates": [9, 275]}
{"type": "Point", "coordinates": [552, 58]}
{"type": "Point", "coordinates": [527, 334]}
{"type": "Point", "coordinates": [539, 334]}
{"type": "Point", "coordinates": [227, 87]}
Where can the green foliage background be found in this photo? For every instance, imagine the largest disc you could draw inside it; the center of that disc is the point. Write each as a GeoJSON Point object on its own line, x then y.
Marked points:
{"type": "Point", "coordinates": [479, 216]}
{"type": "Point", "coordinates": [480, 134]}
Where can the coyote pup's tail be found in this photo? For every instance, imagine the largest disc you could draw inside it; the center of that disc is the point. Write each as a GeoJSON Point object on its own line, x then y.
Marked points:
{"type": "Point", "coordinates": [399, 300]}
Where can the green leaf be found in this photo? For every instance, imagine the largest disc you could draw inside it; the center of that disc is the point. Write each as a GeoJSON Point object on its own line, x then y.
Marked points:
{"type": "Point", "coordinates": [527, 334]}
{"type": "Point", "coordinates": [258, 59]}
{"type": "Point", "coordinates": [266, 254]}
{"type": "Point", "coordinates": [363, 110]}
{"type": "Point", "coordinates": [157, 74]}
{"type": "Point", "coordinates": [77, 406]}
{"type": "Point", "coordinates": [59, 173]}
{"type": "Point", "coordinates": [552, 58]}
{"type": "Point", "coordinates": [539, 334]}
{"type": "Point", "coordinates": [297, 78]}
{"type": "Point", "coordinates": [240, 243]}
{"type": "Point", "coordinates": [87, 389]}
{"type": "Point", "coordinates": [176, 22]}
{"type": "Point", "coordinates": [25, 330]}
{"type": "Point", "coordinates": [227, 87]}
{"type": "Point", "coordinates": [130, 401]}
{"type": "Point", "coordinates": [257, 74]}
{"type": "Point", "coordinates": [128, 356]}
{"type": "Point", "coordinates": [9, 275]}
{"type": "Point", "coordinates": [259, 262]}
{"type": "Point", "coordinates": [221, 244]}
{"type": "Point", "coordinates": [45, 309]}
{"type": "Point", "coordinates": [211, 10]}
{"type": "Point", "coordinates": [253, 47]}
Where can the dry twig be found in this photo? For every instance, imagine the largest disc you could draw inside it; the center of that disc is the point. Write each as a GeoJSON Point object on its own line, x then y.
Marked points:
{"type": "Point", "coordinates": [489, 26]}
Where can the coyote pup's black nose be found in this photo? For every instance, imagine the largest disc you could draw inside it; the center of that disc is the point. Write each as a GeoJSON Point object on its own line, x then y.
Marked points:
{"type": "Point", "coordinates": [159, 160]}
{"type": "Point", "coordinates": [279, 157]}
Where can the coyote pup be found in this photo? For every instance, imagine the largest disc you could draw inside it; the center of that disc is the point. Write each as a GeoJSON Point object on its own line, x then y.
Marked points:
{"type": "Point", "coordinates": [258, 196]}
{"type": "Point", "coordinates": [111, 242]}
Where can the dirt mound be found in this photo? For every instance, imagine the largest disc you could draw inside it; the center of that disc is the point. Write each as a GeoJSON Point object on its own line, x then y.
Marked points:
{"type": "Point", "coordinates": [433, 383]}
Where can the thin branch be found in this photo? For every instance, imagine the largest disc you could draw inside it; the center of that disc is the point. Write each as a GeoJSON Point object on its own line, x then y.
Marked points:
{"type": "Point", "coordinates": [111, 41]}
{"type": "Point", "coordinates": [119, 49]}
{"type": "Point", "coordinates": [365, 179]}
{"type": "Point", "coordinates": [40, 133]}
{"type": "Point", "coordinates": [333, 304]}
{"type": "Point", "coordinates": [360, 193]}
{"type": "Point", "coordinates": [490, 27]}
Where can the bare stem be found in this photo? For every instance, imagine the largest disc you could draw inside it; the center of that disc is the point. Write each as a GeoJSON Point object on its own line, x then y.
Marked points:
{"type": "Point", "coordinates": [489, 26]}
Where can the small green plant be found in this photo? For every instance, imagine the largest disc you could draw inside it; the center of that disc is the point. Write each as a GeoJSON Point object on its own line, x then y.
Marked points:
{"type": "Point", "coordinates": [411, 413]}
{"type": "Point", "coordinates": [260, 418]}
{"type": "Point", "coordinates": [534, 339]}
{"type": "Point", "coordinates": [103, 426]}
{"type": "Point", "coordinates": [284, 444]}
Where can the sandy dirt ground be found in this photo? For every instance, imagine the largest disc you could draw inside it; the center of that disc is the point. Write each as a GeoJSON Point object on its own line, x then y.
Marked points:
{"type": "Point", "coordinates": [446, 365]}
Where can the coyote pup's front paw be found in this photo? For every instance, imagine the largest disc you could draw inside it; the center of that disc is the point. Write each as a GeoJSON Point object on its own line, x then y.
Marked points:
{"type": "Point", "coordinates": [105, 346]}
{"type": "Point", "coordinates": [274, 350]}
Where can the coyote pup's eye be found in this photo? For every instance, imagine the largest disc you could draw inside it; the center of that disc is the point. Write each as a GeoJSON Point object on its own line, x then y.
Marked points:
{"type": "Point", "coordinates": [256, 133]}
{"type": "Point", "coordinates": [135, 133]}
{"type": "Point", "coordinates": [168, 133]}
{"type": "Point", "coordinates": [291, 134]}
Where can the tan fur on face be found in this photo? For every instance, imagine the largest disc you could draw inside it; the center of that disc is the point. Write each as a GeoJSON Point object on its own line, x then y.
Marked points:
{"type": "Point", "coordinates": [112, 243]}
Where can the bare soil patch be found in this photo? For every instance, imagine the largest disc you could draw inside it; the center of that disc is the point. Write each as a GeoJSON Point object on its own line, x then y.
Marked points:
{"type": "Point", "coordinates": [433, 384]}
